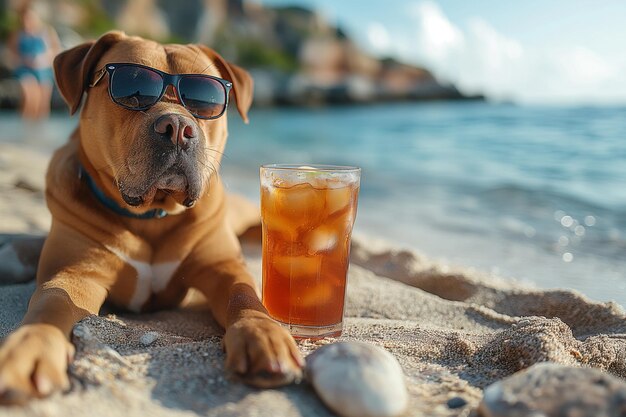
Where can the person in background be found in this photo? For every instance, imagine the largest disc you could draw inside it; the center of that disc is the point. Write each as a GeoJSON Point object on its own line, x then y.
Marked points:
{"type": "Point", "coordinates": [34, 46]}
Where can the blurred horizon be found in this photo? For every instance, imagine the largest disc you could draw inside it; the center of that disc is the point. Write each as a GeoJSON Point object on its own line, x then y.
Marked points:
{"type": "Point", "coordinates": [558, 52]}
{"type": "Point", "coordinates": [306, 52]}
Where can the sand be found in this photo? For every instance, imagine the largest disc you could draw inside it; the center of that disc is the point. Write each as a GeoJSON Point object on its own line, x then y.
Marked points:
{"type": "Point", "coordinates": [454, 331]}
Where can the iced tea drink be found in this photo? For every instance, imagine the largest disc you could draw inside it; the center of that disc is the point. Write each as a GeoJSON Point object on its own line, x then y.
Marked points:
{"type": "Point", "coordinates": [307, 213]}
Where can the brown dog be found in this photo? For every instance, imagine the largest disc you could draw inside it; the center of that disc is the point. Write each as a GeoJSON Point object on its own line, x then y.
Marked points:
{"type": "Point", "coordinates": [120, 164]}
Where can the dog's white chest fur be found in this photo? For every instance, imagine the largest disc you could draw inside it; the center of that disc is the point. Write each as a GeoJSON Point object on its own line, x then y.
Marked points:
{"type": "Point", "coordinates": [151, 278]}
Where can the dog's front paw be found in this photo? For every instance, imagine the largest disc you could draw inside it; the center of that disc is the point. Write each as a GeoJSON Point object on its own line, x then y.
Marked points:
{"type": "Point", "coordinates": [33, 363]}
{"type": "Point", "coordinates": [262, 353]}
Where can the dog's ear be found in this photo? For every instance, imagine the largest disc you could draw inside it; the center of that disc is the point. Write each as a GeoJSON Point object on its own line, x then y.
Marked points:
{"type": "Point", "coordinates": [73, 69]}
{"type": "Point", "coordinates": [243, 85]}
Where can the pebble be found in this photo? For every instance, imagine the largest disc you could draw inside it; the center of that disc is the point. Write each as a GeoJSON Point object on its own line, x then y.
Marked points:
{"type": "Point", "coordinates": [548, 389]}
{"type": "Point", "coordinates": [356, 379]}
{"type": "Point", "coordinates": [148, 338]}
{"type": "Point", "coordinates": [456, 402]}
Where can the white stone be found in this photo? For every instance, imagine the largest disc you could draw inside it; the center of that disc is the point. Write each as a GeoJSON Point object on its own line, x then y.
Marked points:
{"type": "Point", "coordinates": [148, 338]}
{"type": "Point", "coordinates": [356, 379]}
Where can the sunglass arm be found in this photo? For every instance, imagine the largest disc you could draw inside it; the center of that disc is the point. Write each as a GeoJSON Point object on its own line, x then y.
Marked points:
{"type": "Point", "coordinates": [99, 76]}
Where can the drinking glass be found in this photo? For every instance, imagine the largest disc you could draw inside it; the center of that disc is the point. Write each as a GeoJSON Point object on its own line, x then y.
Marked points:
{"type": "Point", "coordinates": [307, 215]}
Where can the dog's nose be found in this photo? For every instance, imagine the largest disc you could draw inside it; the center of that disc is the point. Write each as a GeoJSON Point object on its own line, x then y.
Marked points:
{"type": "Point", "coordinates": [181, 130]}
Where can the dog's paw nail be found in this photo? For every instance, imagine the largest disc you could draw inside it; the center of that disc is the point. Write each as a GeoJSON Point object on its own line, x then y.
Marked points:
{"type": "Point", "coordinates": [241, 367]}
{"type": "Point", "coordinates": [275, 367]}
{"type": "Point", "coordinates": [43, 384]}
{"type": "Point", "coordinates": [300, 361]}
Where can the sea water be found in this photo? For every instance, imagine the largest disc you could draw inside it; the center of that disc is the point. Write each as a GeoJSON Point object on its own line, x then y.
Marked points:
{"type": "Point", "coordinates": [535, 193]}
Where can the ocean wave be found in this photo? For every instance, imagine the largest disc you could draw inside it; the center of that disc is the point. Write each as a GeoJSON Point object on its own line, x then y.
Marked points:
{"type": "Point", "coordinates": [522, 196]}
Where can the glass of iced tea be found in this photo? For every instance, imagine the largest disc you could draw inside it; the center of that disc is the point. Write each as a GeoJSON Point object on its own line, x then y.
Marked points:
{"type": "Point", "coordinates": [307, 213]}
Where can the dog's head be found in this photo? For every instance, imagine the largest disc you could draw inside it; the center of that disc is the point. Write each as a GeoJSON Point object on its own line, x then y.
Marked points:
{"type": "Point", "coordinates": [159, 157]}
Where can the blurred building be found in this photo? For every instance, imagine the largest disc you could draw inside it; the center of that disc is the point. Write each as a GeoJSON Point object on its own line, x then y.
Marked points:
{"type": "Point", "coordinates": [295, 54]}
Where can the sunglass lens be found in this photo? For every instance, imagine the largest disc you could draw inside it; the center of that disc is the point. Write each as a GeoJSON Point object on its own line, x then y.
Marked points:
{"type": "Point", "coordinates": [135, 87]}
{"type": "Point", "coordinates": [202, 96]}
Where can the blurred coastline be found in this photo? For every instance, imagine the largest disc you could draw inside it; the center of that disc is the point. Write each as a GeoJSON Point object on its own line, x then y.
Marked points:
{"type": "Point", "coordinates": [295, 55]}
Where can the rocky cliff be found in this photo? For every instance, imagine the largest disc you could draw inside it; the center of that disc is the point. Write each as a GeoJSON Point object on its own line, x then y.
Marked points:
{"type": "Point", "coordinates": [296, 56]}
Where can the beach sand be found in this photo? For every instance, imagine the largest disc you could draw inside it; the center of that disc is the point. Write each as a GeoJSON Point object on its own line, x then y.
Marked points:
{"type": "Point", "coordinates": [454, 331]}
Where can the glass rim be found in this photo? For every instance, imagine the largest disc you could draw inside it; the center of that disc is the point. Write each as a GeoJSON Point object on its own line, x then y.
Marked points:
{"type": "Point", "coordinates": [311, 168]}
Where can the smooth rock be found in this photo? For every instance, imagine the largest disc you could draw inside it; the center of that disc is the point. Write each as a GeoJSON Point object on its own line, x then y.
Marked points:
{"type": "Point", "coordinates": [356, 379]}
{"type": "Point", "coordinates": [548, 389]}
{"type": "Point", "coordinates": [456, 402]}
{"type": "Point", "coordinates": [148, 338]}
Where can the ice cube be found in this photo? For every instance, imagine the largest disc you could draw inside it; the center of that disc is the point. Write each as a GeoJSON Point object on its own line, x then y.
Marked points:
{"type": "Point", "coordinates": [271, 216]}
{"type": "Point", "coordinates": [310, 175]}
{"type": "Point", "coordinates": [321, 239]}
{"type": "Point", "coordinates": [297, 267]}
{"type": "Point", "coordinates": [337, 199]}
{"type": "Point", "coordinates": [287, 228]}
{"type": "Point", "coordinates": [320, 294]}
{"type": "Point", "coordinates": [298, 201]}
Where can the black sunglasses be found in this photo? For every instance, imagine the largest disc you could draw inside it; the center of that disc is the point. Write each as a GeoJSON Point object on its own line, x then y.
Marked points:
{"type": "Point", "coordinates": [138, 87]}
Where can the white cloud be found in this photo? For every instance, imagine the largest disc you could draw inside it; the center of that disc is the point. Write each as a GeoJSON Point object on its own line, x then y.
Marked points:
{"type": "Point", "coordinates": [480, 59]}
{"type": "Point", "coordinates": [438, 36]}
{"type": "Point", "coordinates": [378, 37]}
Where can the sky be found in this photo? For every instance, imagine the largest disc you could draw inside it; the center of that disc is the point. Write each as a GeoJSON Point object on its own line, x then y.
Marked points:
{"type": "Point", "coordinates": [536, 51]}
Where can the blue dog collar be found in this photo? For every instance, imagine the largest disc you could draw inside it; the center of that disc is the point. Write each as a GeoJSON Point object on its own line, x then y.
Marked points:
{"type": "Point", "coordinates": [113, 206]}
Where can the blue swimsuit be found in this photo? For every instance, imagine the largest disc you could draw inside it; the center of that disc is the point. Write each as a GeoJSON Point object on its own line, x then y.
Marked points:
{"type": "Point", "coordinates": [29, 47]}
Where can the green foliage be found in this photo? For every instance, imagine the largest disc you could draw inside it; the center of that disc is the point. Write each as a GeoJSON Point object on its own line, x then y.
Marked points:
{"type": "Point", "coordinates": [253, 53]}
{"type": "Point", "coordinates": [8, 23]}
{"type": "Point", "coordinates": [97, 22]}
{"type": "Point", "coordinates": [174, 38]}
{"type": "Point", "coordinates": [250, 52]}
